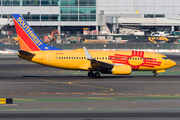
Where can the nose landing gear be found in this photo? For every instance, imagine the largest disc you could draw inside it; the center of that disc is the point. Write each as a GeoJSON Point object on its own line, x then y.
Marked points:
{"type": "Point", "coordinates": [155, 74]}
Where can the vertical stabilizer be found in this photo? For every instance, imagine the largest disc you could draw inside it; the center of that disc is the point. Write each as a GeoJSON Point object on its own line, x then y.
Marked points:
{"type": "Point", "coordinates": [28, 39]}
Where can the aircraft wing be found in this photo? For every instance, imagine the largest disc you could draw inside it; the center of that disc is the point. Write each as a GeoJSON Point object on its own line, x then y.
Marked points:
{"type": "Point", "coordinates": [95, 64]}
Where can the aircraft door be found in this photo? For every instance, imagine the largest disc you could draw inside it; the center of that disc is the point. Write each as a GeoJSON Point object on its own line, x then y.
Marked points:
{"type": "Point", "coordinates": [155, 59]}
{"type": "Point", "coordinates": [106, 58]}
{"type": "Point", "coordinates": [49, 58]}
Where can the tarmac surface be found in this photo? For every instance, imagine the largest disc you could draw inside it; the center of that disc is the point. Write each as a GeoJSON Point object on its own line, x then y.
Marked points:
{"type": "Point", "coordinates": [55, 93]}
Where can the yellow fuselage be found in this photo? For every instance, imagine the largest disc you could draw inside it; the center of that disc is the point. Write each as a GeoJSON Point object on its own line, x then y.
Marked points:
{"type": "Point", "coordinates": [76, 59]}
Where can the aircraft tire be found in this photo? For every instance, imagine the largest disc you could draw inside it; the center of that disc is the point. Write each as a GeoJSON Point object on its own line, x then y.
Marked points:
{"type": "Point", "coordinates": [90, 74]}
{"type": "Point", "coordinates": [156, 75]}
{"type": "Point", "coordinates": [96, 75]}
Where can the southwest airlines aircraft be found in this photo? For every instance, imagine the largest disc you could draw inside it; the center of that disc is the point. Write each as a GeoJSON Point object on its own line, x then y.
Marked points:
{"type": "Point", "coordinates": [96, 62]}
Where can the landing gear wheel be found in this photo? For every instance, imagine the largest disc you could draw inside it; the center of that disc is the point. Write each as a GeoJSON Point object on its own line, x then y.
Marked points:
{"type": "Point", "coordinates": [90, 74]}
{"type": "Point", "coordinates": [96, 75]}
{"type": "Point", "coordinates": [156, 75]}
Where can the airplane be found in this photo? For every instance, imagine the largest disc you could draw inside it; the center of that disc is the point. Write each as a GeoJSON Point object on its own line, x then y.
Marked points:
{"type": "Point", "coordinates": [96, 62]}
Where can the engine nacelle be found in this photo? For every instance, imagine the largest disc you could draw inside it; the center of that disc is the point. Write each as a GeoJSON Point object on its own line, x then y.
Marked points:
{"type": "Point", "coordinates": [121, 70]}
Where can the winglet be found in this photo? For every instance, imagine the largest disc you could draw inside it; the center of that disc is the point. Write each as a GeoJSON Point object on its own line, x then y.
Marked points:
{"type": "Point", "coordinates": [88, 56]}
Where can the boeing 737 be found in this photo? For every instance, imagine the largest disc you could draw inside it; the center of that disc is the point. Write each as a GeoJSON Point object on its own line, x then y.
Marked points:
{"type": "Point", "coordinates": [96, 62]}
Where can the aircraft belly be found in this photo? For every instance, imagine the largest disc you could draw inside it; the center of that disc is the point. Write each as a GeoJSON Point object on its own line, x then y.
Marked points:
{"type": "Point", "coordinates": [69, 64]}
{"type": "Point", "coordinates": [151, 68]}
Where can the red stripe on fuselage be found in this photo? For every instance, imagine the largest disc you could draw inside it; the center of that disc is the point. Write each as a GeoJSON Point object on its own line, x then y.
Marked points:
{"type": "Point", "coordinates": [24, 36]}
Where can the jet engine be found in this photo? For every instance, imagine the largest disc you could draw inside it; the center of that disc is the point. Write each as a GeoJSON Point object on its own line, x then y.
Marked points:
{"type": "Point", "coordinates": [121, 70]}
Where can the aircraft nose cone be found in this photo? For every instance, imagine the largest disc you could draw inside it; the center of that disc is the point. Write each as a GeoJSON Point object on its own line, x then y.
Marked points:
{"type": "Point", "coordinates": [173, 63]}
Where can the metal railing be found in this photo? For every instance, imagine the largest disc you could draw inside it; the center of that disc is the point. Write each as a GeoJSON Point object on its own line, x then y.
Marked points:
{"type": "Point", "coordinates": [106, 46]}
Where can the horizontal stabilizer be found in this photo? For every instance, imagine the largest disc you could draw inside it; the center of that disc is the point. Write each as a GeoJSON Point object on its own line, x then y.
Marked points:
{"type": "Point", "coordinates": [13, 51]}
{"type": "Point", "coordinates": [22, 52]}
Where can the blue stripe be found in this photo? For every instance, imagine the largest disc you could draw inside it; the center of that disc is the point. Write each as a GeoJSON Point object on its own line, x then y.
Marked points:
{"type": "Point", "coordinates": [30, 32]}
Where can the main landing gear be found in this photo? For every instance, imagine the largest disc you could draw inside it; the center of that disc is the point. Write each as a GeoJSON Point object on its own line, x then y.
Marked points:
{"type": "Point", "coordinates": [94, 75]}
{"type": "Point", "coordinates": [155, 74]}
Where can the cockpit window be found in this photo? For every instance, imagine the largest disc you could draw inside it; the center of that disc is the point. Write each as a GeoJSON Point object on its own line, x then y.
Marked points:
{"type": "Point", "coordinates": [165, 58]}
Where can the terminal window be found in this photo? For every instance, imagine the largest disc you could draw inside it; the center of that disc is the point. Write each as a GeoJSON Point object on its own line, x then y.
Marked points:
{"type": "Point", "coordinates": [159, 15]}
{"type": "Point", "coordinates": [69, 17]}
{"type": "Point", "coordinates": [6, 16]}
{"type": "Point", "coordinates": [67, 10]}
{"type": "Point", "coordinates": [30, 3]}
{"type": "Point", "coordinates": [69, 2]}
{"type": "Point", "coordinates": [87, 2]}
{"type": "Point", "coordinates": [11, 2]}
{"type": "Point", "coordinates": [87, 17]}
{"type": "Point", "coordinates": [47, 17]}
{"type": "Point", "coordinates": [87, 10]}
{"type": "Point", "coordinates": [49, 2]}
{"type": "Point", "coordinates": [31, 17]}
{"type": "Point", "coordinates": [154, 15]}
{"type": "Point", "coordinates": [148, 15]}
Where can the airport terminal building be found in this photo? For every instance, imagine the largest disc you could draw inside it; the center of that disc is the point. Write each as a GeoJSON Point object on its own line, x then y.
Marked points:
{"type": "Point", "coordinates": [119, 16]}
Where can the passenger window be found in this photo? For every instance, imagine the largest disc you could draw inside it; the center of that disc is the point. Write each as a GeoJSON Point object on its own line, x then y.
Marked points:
{"type": "Point", "coordinates": [74, 57]}
{"type": "Point", "coordinates": [64, 57]}
{"type": "Point", "coordinates": [61, 57]}
{"type": "Point", "coordinates": [77, 57]}
{"type": "Point", "coordinates": [69, 57]}
{"type": "Point", "coordinates": [103, 58]}
{"type": "Point", "coordinates": [82, 57]}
